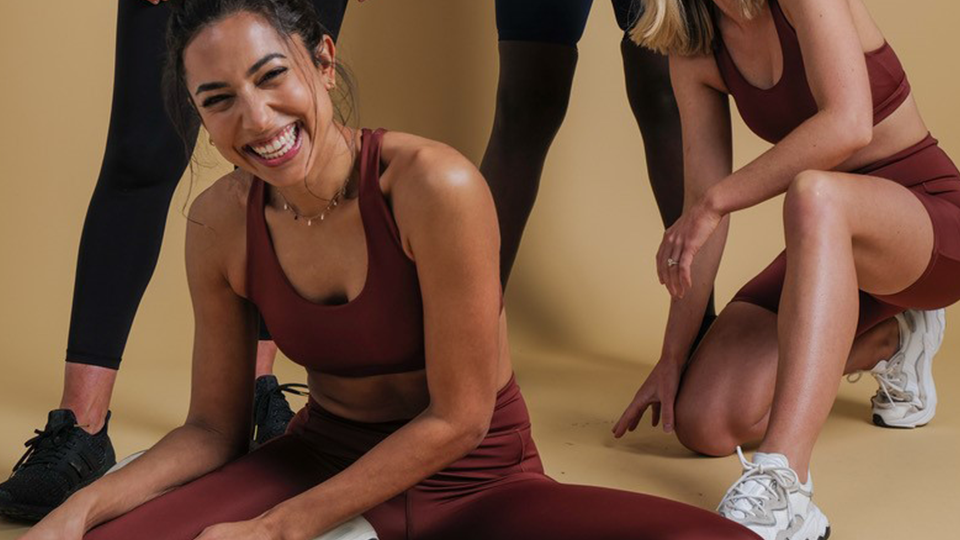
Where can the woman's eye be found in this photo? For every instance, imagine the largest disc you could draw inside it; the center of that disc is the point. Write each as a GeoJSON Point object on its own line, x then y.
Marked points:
{"type": "Point", "coordinates": [213, 100]}
{"type": "Point", "coordinates": [272, 74]}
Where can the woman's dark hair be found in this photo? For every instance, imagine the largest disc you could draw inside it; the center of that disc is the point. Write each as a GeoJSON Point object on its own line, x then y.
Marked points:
{"type": "Point", "coordinates": [288, 17]}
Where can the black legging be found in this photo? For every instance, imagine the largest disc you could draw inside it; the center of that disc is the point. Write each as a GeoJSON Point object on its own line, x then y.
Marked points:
{"type": "Point", "coordinates": [538, 57]}
{"type": "Point", "coordinates": [142, 165]}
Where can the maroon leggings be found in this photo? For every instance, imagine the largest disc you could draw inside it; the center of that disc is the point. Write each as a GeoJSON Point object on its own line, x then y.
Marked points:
{"type": "Point", "coordinates": [927, 171]}
{"type": "Point", "coordinates": [498, 491]}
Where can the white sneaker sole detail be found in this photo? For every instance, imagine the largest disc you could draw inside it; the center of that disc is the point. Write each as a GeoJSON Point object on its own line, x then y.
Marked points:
{"type": "Point", "coordinates": [931, 341]}
{"type": "Point", "coordinates": [816, 526]}
{"type": "Point", "coordinates": [125, 461]}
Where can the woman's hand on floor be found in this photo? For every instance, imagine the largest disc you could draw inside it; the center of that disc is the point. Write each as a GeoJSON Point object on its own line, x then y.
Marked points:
{"type": "Point", "coordinates": [659, 391]}
{"type": "Point", "coordinates": [680, 245]}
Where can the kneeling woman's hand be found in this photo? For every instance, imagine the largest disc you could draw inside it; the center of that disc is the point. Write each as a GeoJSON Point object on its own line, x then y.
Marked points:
{"type": "Point", "coordinates": [658, 391]}
{"type": "Point", "coordinates": [680, 245]}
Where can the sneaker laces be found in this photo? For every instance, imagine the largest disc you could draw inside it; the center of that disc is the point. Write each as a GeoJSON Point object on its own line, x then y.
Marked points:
{"type": "Point", "coordinates": [44, 448]}
{"type": "Point", "coordinates": [263, 410]}
{"type": "Point", "coordinates": [892, 381]}
{"type": "Point", "coordinates": [769, 477]}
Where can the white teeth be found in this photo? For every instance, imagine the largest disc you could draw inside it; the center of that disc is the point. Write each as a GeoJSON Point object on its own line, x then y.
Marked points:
{"type": "Point", "coordinates": [279, 146]}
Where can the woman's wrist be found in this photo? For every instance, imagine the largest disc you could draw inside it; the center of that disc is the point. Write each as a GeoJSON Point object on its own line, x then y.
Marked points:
{"type": "Point", "coordinates": [712, 201]}
{"type": "Point", "coordinates": [80, 507]}
{"type": "Point", "coordinates": [280, 525]}
{"type": "Point", "coordinates": [673, 356]}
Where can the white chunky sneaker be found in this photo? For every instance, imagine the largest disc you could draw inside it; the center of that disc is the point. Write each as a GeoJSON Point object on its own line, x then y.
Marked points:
{"type": "Point", "coordinates": [769, 500]}
{"type": "Point", "coordinates": [907, 397]}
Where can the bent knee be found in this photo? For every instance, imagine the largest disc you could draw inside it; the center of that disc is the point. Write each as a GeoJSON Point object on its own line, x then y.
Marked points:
{"type": "Point", "coordinates": [704, 430]}
{"type": "Point", "coordinates": [813, 200]}
{"type": "Point", "coordinates": [134, 164]}
{"type": "Point", "coordinates": [530, 109]}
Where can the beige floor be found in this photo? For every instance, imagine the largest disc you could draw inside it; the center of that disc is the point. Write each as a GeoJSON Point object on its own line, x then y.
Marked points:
{"type": "Point", "coordinates": [873, 483]}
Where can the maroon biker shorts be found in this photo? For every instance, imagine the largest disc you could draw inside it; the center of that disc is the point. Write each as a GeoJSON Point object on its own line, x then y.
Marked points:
{"type": "Point", "coordinates": [927, 171]}
{"type": "Point", "coordinates": [498, 491]}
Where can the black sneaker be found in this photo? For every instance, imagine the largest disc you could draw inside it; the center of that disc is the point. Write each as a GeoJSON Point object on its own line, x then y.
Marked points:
{"type": "Point", "coordinates": [60, 460]}
{"type": "Point", "coordinates": [271, 411]}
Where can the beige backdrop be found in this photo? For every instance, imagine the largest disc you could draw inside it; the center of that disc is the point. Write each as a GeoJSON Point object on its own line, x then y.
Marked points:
{"type": "Point", "coordinates": [587, 312]}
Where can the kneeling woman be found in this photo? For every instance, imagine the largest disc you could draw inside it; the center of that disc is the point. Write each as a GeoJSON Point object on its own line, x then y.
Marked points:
{"type": "Point", "coordinates": [373, 258]}
{"type": "Point", "coordinates": [872, 221]}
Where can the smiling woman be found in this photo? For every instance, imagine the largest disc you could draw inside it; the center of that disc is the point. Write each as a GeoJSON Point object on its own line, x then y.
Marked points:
{"type": "Point", "coordinates": [423, 429]}
{"type": "Point", "coordinates": [307, 44]}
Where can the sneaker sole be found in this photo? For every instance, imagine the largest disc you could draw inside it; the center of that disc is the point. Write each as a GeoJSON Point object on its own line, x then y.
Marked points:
{"type": "Point", "coordinates": [922, 418]}
{"type": "Point", "coordinates": [816, 528]}
{"type": "Point", "coordinates": [33, 514]}
{"type": "Point", "coordinates": [29, 514]}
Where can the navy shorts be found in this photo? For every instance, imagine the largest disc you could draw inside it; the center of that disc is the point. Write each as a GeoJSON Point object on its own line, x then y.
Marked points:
{"type": "Point", "coordinates": [555, 21]}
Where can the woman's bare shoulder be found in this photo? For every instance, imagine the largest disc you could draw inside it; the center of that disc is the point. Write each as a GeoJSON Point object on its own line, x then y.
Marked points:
{"type": "Point", "coordinates": [216, 232]}
{"type": "Point", "coordinates": [430, 184]}
{"type": "Point", "coordinates": [422, 173]}
{"type": "Point", "coordinates": [224, 203]}
{"type": "Point", "coordinates": [414, 163]}
{"type": "Point", "coordinates": [698, 69]}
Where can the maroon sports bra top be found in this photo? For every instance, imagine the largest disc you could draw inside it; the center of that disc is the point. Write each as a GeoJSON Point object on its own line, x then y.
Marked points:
{"type": "Point", "coordinates": [378, 332]}
{"type": "Point", "coordinates": [773, 113]}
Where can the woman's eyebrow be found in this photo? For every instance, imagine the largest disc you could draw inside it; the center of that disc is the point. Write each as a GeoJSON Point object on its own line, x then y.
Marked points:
{"type": "Point", "coordinates": [259, 63]}
{"type": "Point", "coordinates": [205, 87]}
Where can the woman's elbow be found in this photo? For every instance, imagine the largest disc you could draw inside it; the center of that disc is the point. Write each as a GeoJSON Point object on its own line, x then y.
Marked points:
{"type": "Point", "coordinates": [467, 431]}
{"type": "Point", "coordinates": [860, 136]}
{"type": "Point", "coordinates": [473, 432]}
{"type": "Point", "coordinates": [854, 129]}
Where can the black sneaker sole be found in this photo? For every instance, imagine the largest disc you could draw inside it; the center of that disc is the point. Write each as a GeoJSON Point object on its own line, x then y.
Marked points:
{"type": "Point", "coordinates": [29, 514]}
{"type": "Point", "coordinates": [33, 514]}
{"type": "Point", "coordinates": [878, 421]}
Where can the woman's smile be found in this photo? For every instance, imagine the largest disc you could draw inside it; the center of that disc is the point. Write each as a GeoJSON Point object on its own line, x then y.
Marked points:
{"type": "Point", "coordinates": [278, 149]}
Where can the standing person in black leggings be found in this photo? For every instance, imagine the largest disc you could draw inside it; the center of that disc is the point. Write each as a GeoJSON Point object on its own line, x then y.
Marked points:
{"type": "Point", "coordinates": [143, 162]}
{"type": "Point", "coordinates": [538, 57]}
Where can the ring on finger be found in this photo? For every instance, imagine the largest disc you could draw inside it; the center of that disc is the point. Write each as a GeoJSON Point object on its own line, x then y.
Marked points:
{"type": "Point", "coordinates": [672, 262]}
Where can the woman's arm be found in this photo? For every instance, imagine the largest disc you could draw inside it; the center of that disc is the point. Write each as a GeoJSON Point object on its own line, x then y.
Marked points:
{"type": "Point", "coordinates": [217, 426]}
{"type": "Point", "coordinates": [838, 78]}
{"type": "Point", "coordinates": [707, 158]}
{"type": "Point", "coordinates": [446, 213]}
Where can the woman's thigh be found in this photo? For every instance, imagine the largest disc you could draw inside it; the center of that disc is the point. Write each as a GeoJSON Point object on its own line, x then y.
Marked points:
{"type": "Point", "coordinates": [241, 490]}
{"type": "Point", "coordinates": [538, 507]}
{"type": "Point", "coordinates": [545, 21]}
{"type": "Point", "coordinates": [891, 230]}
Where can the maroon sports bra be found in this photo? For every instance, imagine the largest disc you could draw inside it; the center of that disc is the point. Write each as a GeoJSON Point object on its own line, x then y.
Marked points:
{"type": "Point", "coordinates": [378, 332]}
{"type": "Point", "coordinates": [773, 113]}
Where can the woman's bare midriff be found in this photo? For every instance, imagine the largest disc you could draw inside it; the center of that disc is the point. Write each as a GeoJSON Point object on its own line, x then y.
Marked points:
{"type": "Point", "coordinates": [384, 398]}
{"type": "Point", "coordinates": [901, 130]}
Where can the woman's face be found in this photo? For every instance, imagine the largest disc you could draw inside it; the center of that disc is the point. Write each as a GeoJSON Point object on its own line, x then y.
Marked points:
{"type": "Point", "coordinates": [261, 98]}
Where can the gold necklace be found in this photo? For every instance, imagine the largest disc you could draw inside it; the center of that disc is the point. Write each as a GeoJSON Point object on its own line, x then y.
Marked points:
{"type": "Point", "coordinates": [334, 202]}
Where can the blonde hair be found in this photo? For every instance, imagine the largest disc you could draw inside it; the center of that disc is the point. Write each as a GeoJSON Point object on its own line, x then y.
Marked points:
{"type": "Point", "coordinates": [684, 27]}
